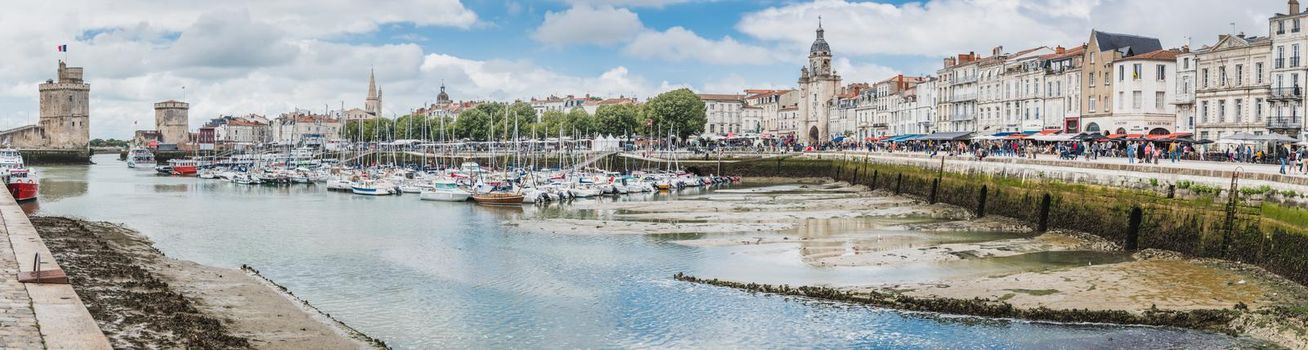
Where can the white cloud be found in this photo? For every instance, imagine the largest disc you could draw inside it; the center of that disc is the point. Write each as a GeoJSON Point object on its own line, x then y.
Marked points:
{"type": "Point", "coordinates": [583, 24]}
{"type": "Point", "coordinates": [736, 83]}
{"type": "Point", "coordinates": [862, 73]}
{"type": "Point", "coordinates": [944, 27]}
{"type": "Point", "coordinates": [679, 44]}
{"type": "Point", "coordinates": [633, 3]}
{"type": "Point", "coordinates": [263, 57]}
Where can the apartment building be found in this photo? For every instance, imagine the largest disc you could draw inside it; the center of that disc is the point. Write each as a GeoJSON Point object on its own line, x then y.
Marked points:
{"type": "Point", "coordinates": [1102, 50]}
{"type": "Point", "coordinates": [1233, 88]}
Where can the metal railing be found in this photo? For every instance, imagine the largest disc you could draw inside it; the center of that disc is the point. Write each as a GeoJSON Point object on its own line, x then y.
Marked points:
{"type": "Point", "coordinates": [1287, 93]}
{"type": "Point", "coordinates": [1285, 122]}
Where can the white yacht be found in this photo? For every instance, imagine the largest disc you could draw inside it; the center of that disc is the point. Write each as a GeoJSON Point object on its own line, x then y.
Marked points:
{"type": "Point", "coordinates": [445, 191]}
{"type": "Point", "coordinates": [140, 158]}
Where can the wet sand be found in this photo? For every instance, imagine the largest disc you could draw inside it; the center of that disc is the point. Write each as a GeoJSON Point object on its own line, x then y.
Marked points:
{"type": "Point", "coordinates": [834, 226]}
{"type": "Point", "coordinates": [142, 299]}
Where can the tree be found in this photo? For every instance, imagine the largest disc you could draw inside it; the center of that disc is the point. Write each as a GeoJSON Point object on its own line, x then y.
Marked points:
{"type": "Point", "coordinates": [678, 110]}
{"type": "Point", "coordinates": [551, 122]}
{"type": "Point", "coordinates": [522, 113]}
{"type": "Point", "coordinates": [619, 119]}
{"type": "Point", "coordinates": [578, 123]}
{"type": "Point", "coordinates": [473, 124]}
{"type": "Point", "coordinates": [374, 129]}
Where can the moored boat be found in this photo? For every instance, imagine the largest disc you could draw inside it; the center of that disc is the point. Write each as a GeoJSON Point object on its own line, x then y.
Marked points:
{"type": "Point", "coordinates": [498, 198]}
{"type": "Point", "coordinates": [140, 158]}
{"type": "Point", "coordinates": [22, 184]}
{"type": "Point", "coordinates": [445, 191]}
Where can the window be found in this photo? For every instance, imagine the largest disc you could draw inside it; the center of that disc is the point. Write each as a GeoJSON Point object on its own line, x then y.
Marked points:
{"type": "Point", "coordinates": [1221, 76]}
{"type": "Point", "coordinates": [1205, 74]}
{"type": "Point", "coordinates": [1294, 55]}
{"type": "Point", "coordinates": [1121, 73]}
{"type": "Point", "coordinates": [1239, 74]}
{"type": "Point", "coordinates": [1203, 112]}
{"type": "Point", "coordinates": [1258, 110]}
{"type": "Point", "coordinates": [1239, 110]}
{"type": "Point", "coordinates": [1280, 27]}
{"type": "Point", "coordinates": [1092, 102]}
{"type": "Point", "coordinates": [1295, 28]}
{"type": "Point", "coordinates": [1258, 70]}
{"type": "Point", "coordinates": [1280, 57]}
{"type": "Point", "coordinates": [1092, 79]}
{"type": "Point", "coordinates": [1221, 111]}
{"type": "Point", "coordinates": [1185, 63]}
{"type": "Point", "coordinates": [1160, 98]}
{"type": "Point", "coordinates": [1137, 71]}
{"type": "Point", "coordinates": [1136, 97]}
{"type": "Point", "coordinates": [1162, 73]}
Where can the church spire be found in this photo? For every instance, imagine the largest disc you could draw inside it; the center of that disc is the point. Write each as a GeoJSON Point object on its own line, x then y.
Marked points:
{"type": "Point", "coordinates": [372, 85]}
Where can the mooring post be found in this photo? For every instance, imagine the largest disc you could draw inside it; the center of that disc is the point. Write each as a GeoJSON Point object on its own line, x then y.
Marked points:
{"type": "Point", "coordinates": [1133, 229]}
{"type": "Point", "coordinates": [873, 185]}
{"type": "Point", "coordinates": [981, 202]}
{"type": "Point", "coordinates": [935, 185]}
{"type": "Point", "coordinates": [1045, 201]}
{"type": "Point", "coordinates": [898, 180]}
{"type": "Point", "coordinates": [1171, 191]}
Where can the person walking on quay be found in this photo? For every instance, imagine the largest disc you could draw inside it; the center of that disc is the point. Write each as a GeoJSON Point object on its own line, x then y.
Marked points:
{"type": "Point", "coordinates": [1130, 153]}
{"type": "Point", "coordinates": [1282, 153]}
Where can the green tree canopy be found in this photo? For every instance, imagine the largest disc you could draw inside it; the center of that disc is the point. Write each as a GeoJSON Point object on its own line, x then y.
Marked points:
{"type": "Point", "coordinates": [619, 119]}
{"type": "Point", "coordinates": [578, 123]}
{"type": "Point", "coordinates": [551, 123]}
{"type": "Point", "coordinates": [375, 129]}
{"type": "Point", "coordinates": [679, 110]}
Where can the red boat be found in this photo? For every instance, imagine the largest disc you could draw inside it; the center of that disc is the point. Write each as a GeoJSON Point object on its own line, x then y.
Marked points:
{"type": "Point", "coordinates": [183, 167]}
{"type": "Point", "coordinates": [22, 184]}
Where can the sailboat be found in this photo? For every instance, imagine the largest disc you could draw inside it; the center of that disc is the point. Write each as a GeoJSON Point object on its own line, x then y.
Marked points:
{"type": "Point", "coordinates": [493, 197]}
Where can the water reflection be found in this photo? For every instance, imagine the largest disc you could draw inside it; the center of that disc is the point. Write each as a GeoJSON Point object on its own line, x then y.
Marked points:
{"type": "Point", "coordinates": [449, 275]}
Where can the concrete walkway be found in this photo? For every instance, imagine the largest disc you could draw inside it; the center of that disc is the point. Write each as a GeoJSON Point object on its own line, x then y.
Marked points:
{"type": "Point", "coordinates": [35, 316]}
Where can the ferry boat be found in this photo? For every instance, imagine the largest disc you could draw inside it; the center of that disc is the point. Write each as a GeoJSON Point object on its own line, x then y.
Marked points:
{"type": "Point", "coordinates": [179, 167]}
{"type": "Point", "coordinates": [22, 184]}
{"type": "Point", "coordinates": [20, 181]}
{"type": "Point", "coordinates": [140, 158]}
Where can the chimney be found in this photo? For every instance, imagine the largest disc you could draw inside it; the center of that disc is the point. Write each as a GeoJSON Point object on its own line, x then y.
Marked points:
{"type": "Point", "coordinates": [1294, 7]}
{"type": "Point", "coordinates": [1060, 50]}
{"type": "Point", "coordinates": [950, 62]}
{"type": "Point", "coordinates": [998, 50]}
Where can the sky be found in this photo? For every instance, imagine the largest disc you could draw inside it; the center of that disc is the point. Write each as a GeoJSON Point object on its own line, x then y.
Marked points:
{"type": "Point", "coordinates": [273, 56]}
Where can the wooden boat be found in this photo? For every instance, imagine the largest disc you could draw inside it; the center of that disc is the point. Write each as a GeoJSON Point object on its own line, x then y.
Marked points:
{"type": "Point", "coordinates": [498, 198]}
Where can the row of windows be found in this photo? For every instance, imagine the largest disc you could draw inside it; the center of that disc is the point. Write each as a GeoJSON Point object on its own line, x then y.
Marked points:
{"type": "Point", "coordinates": [1238, 112]}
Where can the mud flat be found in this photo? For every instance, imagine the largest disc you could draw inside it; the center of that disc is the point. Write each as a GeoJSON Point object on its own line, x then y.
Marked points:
{"type": "Point", "coordinates": [939, 258]}
{"type": "Point", "coordinates": [142, 299]}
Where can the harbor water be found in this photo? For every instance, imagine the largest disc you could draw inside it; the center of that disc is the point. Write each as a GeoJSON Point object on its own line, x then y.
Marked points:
{"type": "Point", "coordinates": [422, 275]}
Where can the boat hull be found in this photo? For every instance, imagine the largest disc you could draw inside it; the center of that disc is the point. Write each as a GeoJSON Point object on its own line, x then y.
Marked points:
{"type": "Point", "coordinates": [442, 196]}
{"type": "Point", "coordinates": [498, 198]}
{"type": "Point", "coordinates": [370, 191]}
{"type": "Point", "coordinates": [24, 191]}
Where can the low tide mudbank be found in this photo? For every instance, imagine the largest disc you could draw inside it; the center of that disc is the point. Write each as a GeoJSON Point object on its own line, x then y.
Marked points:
{"type": "Point", "coordinates": [1207, 320]}
{"type": "Point", "coordinates": [142, 299]}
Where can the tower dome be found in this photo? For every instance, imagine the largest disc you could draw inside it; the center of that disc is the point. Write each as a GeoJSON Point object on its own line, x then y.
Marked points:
{"type": "Point", "coordinates": [443, 97]}
{"type": "Point", "coordinates": [820, 46]}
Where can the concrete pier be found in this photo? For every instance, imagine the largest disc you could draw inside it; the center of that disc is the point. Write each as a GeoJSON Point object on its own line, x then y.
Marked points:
{"type": "Point", "coordinates": [34, 316]}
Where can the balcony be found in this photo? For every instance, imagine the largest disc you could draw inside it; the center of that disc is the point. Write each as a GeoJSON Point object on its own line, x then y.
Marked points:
{"type": "Point", "coordinates": [962, 116]}
{"type": "Point", "coordinates": [1183, 98]}
{"type": "Point", "coordinates": [1279, 63]}
{"type": "Point", "coordinates": [1285, 122]}
{"type": "Point", "coordinates": [964, 79]}
{"type": "Point", "coordinates": [1290, 93]}
{"type": "Point", "coordinates": [880, 125]}
{"type": "Point", "coordinates": [960, 97]}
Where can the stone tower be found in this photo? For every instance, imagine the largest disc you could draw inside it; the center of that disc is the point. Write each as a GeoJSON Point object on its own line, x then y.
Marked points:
{"type": "Point", "coordinates": [65, 110]}
{"type": "Point", "coordinates": [373, 105]}
{"type": "Point", "coordinates": [172, 120]}
{"type": "Point", "coordinates": [818, 83]}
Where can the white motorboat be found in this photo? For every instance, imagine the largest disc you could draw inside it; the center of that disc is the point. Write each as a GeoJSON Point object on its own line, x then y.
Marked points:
{"type": "Point", "coordinates": [445, 191]}
{"type": "Point", "coordinates": [372, 188]}
{"type": "Point", "coordinates": [140, 158]}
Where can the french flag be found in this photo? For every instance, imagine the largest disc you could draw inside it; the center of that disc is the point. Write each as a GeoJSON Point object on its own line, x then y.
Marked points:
{"type": "Point", "coordinates": [62, 48]}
